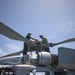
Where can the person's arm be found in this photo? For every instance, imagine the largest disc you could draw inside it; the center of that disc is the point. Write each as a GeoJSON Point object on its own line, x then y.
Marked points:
{"type": "Point", "coordinates": [32, 38]}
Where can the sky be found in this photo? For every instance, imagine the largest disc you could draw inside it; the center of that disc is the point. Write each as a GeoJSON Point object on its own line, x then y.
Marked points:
{"type": "Point", "coordinates": [55, 19]}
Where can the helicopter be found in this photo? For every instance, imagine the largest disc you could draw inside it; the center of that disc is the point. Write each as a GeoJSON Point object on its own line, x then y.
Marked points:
{"type": "Point", "coordinates": [62, 63]}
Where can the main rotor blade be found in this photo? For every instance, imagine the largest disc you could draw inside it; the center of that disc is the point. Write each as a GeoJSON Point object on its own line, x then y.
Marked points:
{"type": "Point", "coordinates": [10, 33]}
{"type": "Point", "coordinates": [65, 41]}
{"type": "Point", "coordinates": [12, 54]}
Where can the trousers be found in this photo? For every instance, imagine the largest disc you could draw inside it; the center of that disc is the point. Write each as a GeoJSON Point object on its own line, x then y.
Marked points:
{"type": "Point", "coordinates": [25, 49]}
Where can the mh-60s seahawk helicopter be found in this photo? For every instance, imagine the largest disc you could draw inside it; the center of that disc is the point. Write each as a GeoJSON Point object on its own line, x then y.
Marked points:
{"type": "Point", "coordinates": [50, 64]}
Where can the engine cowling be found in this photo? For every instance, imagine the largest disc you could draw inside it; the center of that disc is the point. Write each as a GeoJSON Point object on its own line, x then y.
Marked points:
{"type": "Point", "coordinates": [66, 57]}
{"type": "Point", "coordinates": [44, 58]}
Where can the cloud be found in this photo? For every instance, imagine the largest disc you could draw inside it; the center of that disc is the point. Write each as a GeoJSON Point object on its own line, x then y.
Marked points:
{"type": "Point", "coordinates": [2, 52]}
{"type": "Point", "coordinates": [13, 47]}
{"type": "Point", "coordinates": [66, 28]}
{"type": "Point", "coordinates": [9, 46]}
{"type": "Point", "coordinates": [62, 30]}
{"type": "Point", "coordinates": [12, 44]}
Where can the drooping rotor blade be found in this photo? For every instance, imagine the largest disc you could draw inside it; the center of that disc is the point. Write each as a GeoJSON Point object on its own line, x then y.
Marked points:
{"type": "Point", "coordinates": [12, 54]}
{"type": "Point", "coordinates": [10, 33]}
{"type": "Point", "coordinates": [65, 41]}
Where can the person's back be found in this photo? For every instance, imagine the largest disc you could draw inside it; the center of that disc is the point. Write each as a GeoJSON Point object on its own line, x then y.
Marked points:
{"type": "Point", "coordinates": [44, 41]}
{"type": "Point", "coordinates": [28, 36]}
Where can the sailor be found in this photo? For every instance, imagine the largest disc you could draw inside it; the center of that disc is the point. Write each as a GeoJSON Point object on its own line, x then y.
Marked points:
{"type": "Point", "coordinates": [25, 59]}
{"type": "Point", "coordinates": [28, 37]}
{"type": "Point", "coordinates": [44, 43]}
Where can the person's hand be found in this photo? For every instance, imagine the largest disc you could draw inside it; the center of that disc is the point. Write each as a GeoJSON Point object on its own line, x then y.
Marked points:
{"type": "Point", "coordinates": [52, 44]}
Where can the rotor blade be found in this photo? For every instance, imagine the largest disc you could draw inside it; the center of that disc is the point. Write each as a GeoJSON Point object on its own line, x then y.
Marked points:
{"type": "Point", "coordinates": [12, 54]}
{"type": "Point", "coordinates": [65, 41]}
{"type": "Point", "coordinates": [10, 33]}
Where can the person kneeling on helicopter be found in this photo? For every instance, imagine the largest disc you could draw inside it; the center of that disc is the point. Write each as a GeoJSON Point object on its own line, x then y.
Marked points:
{"type": "Point", "coordinates": [44, 43]}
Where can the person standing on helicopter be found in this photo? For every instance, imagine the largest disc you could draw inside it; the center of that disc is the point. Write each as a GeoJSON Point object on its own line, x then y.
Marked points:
{"type": "Point", "coordinates": [28, 37]}
{"type": "Point", "coordinates": [25, 58]}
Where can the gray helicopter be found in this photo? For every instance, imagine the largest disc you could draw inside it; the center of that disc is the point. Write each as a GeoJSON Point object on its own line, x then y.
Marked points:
{"type": "Point", "coordinates": [62, 63]}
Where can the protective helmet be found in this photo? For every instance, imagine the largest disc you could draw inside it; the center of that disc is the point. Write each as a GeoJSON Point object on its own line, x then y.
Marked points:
{"type": "Point", "coordinates": [29, 34]}
{"type": "Point", "coordinates": [40, 35]}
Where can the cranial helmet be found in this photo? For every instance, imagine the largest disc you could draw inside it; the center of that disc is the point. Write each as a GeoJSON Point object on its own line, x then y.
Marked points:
{"type": "Point", "coordinates": [29, 34]}
{"type": "Point", "coordinates": [40, 35]}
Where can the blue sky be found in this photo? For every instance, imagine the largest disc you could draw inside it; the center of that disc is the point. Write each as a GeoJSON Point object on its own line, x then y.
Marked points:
{"type": "Point", "coordinates": [55, 19]}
